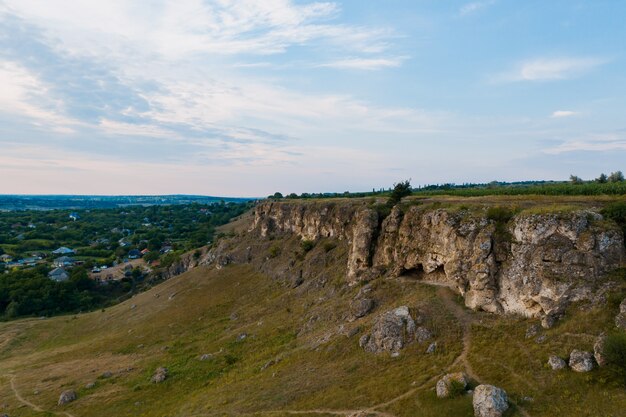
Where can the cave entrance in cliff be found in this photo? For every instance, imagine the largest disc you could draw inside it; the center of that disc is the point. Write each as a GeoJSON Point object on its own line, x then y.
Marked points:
{"type": "Point", "coordinates": [418, 274]}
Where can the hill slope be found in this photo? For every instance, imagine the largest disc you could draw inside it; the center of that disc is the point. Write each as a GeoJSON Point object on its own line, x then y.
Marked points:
{"type": "Point", "coordinates": [281, 342]}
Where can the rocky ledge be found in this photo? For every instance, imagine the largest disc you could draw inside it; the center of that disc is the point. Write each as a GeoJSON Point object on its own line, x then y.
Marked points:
{"type": "Point", "coordinates": [530, 263]}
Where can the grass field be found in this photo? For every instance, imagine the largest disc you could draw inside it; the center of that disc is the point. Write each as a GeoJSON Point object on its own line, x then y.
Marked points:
{"type": "Point", "coordinates": [319, 370]}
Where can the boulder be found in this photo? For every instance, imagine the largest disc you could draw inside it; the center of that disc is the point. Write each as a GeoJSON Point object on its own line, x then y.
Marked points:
{"type": "Point", "coordinates": [581, 361]}
{"type": "Point", "coordinates": [67, 397]}
{"type": "Point", "coordinates": [490, 401]}
{"type": "Point", "coordinates": [159, 375]}
{"type": "Point", "coordinates": [361, 307]}
{"type": "Point", "coordinates": [445, 386]}
{"type": "Point", "coordinates": [206, 357]}
{"type": "Point", "coordinates": [392, 330]}
{"type": "Point", "coordinates": [556, 363]}
{"type": "Point", "coordinates": [422, 334]}
{"type": "Point", "coordinates": [598, 350]}
{"type": "Point", "coordinates": [548, 321]}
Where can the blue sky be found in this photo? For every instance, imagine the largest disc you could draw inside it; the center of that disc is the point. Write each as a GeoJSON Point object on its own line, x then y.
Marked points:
{"type": "Point", "coordinates": [253, 96]}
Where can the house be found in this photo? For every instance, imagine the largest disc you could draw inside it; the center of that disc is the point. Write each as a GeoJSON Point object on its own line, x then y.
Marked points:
{"type": "Point", "coordinates": [166, 249]}
{"type": "Point", "coordinates": [58, 275]}
{"type": "Point", "coordinates": [74, 216]}
{"type": "Point", "coordinates": [145, 251]}
{"type": "Point", "coordinates": [6, 258]}
{"type": "Point", "coordinates": [63, 251]}
{"type": "Point", "coordinates": [63, 261]}
{"type": "Point", "coordinates": [134, 254]}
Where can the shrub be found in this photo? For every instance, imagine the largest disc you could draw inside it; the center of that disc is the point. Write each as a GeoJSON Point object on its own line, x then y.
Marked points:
{"type": "Point", "coordinates": [615, 354]}
{"type": "Point", "coordinates": [400, 190]}
{"type": "Point", "coordinates": [307, 245]}
{"type": "Point", "coordinates": [328, 246]}
{"type": "Point", "coordinates": [274, 250]}
{"type": "Point", "coordinates": [617, 213]}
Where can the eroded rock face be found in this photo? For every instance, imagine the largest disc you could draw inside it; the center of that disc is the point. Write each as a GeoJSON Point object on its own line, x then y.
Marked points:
{"type": "Point", "coordinates": [581, 361]}
{"type": "Point", "coordinates": [67, 397]}
{"type": "Point", "coordinates": [534, 265]}
{"type": "Point", "coordinates": [445, 386]}
{"type": "Point", "coordinates": [490, 401]}
{"type": "Point", "coordinates": [391, 332]}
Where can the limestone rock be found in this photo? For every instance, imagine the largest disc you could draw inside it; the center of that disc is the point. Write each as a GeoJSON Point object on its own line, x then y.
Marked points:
{"type": "Point", "coordinates": [361, 307]}
{"type": "Point", "coordinates": [67, 397]}
{"type": "Point", "coordinates": [622, 306]}
{"type": "Point", "coordinates": [489, 401]}
{"type": "Point", "coordinates": [206, 357]}
{"type": "Point", "coordinates": [107, 374]}
{"type": "Point", "coordinates": [598, 350]}
{"type": "Point", "coordinates": [556, 363]}
{"type": "Point", "coordinates": [445, 387]}
{"type": "Point", "coordinates": [620, 321]}
{"type": "Point", "coordinates": [159, 375]}
{"type": "Point", "coordinates": [548, 321]}
{"type": "Point", "coordinates": [432, 348]}
{"type": "Point", "coordinates": [532, 331]}
{"type": "Point", "coordinates": [581, 361]}
{"type": "Point", "coordinates": [391, 332]}
{"type": "Point", "coordinates": [90, 385]}
{"type": "Point", "coordinates": [422, 334]}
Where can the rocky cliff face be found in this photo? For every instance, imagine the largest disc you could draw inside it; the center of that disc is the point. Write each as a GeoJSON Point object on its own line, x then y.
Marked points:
{"type": "Point", "coordinates": [532, 264]}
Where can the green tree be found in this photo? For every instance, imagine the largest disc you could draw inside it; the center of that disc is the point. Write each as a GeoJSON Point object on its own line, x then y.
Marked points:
{"type": "Point", "coordinates": [277, 195]}
{"type": "Point", "coordinates": [574, 179]}
{"type": "Point", "coordinates": [616, 176]}
{"type": "Point", "coordinates": [602, 178]}
{"type": "Point", "coordinates": [400, 190]}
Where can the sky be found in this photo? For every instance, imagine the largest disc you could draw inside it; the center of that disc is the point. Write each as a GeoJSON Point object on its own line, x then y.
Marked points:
{"type": "Point", "coordinates": [249, 97]}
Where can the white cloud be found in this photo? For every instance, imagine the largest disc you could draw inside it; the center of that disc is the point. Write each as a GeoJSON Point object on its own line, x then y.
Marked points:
{"type": "Point", "coordinates": [598, 142]}
{"type": "Point", "coordinates": [24, 94]}
{"type": "Point", "coordinates": [563, 113]}
{"type": "Point", "coordinates": [365, 63]}
{"type": "Point", "coordinates": [548, 69]}
{"type": "Point", "coordinates": [470, 8]}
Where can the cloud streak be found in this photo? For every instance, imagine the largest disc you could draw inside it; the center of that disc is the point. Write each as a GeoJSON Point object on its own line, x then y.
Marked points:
{"type": "Point", "coordinates": [552, 69]}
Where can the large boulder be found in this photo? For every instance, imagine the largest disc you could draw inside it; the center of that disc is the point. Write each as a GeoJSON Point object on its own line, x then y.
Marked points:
{"type": "Point", "coordinates": [490, 401]}
{"type": "Point", "coordinates": [67, 397]}
{"type": "Point", "coordinates": [556, 363]}
{"type": "Point", "coordinates": [160, 375]}
{"type": "Point", "coordinates": [446, 386]}
{"type": "Point", "coordinates": [391, 332]}
{"type": "Point", "coordinates": [581, 361]}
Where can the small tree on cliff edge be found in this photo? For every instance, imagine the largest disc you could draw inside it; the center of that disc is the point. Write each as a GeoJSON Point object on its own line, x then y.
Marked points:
{"type": "Point", "coordinates": [400, 190]}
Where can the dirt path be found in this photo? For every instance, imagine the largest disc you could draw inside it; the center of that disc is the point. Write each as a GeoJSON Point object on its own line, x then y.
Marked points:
{"type": "Point", "coordinates": [27, 403]}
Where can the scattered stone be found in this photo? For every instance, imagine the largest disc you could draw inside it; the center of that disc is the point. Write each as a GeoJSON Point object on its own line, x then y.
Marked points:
{"type": "Point", "coordinates": [532, 331]}
{"type": "Point", "coordinates": [90, 385]}
{"type": "Point", "coordinates": [395, 354]}
{"type": "Point", "coordinates": [541, 339]}
{"type": "Point", "coordinates": [206, 357]}
{"type": "Point", "coordinates": [556, 363]}
{"type": "Point", "coordinates": [432, 348]}
{"type": "Point", "coordinates": [598, 350]}
{"type": "Point", "coordinates": [134, 306]}
{"type": "Point", "coordinates": [363, 340]}
{"type": "Point", "coordinates": [242, 336]}
{"type": "Point", "coordinates": [361, 307]}
{"type": "Point", "coordinates": [234, 316]}
{"type": "Point", "coordinates": [67, 397]}
{"type": "Point", "coordinates": [269, 363]}
{"type": "Point", "coordinates": [548, 321]}
{"type": "Point", "coordinates": [36, 392]}
{"type": "Point", "coordinates": [107, 374]}
{"type": "Point", "coordinates": [392, 330]}
{"type": "Point", "coordinates": [490, 401]}
{"type": "Point", "coordinates": [528, 399]}
{"type": "Point", "coordinates": [165, 348]}
{"type": "Point", "coordinates": [445, 386]}
{"type": "Point", "coordinates": [354, 331]}
{"type": "Point", "coordinates": [422, 334]}
{"type": "Point", "coordinates": [159, 375]}
{"type": "Point", "coordinates": [581, 361]}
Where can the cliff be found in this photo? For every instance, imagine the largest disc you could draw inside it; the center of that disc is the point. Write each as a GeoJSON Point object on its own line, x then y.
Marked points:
{"type": "Point", "coordinates": [531, 263]}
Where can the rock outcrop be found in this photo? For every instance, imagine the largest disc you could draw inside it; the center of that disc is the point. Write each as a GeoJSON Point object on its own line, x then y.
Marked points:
{"type": "Point", "coordinates": [598, 350]}
{"type": "Point", "coordinates": [392, 331]}
{"type": "Point", "coordinates": [620, 319]}
{"type": "Point", "coordinates": [448, 383]}
{"type": "Point", "coordinates": [489, 401]}
{"type": "Point", "coordinates": [581, 361]}
{"type": "Point", "coordinates": [532, 265]}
